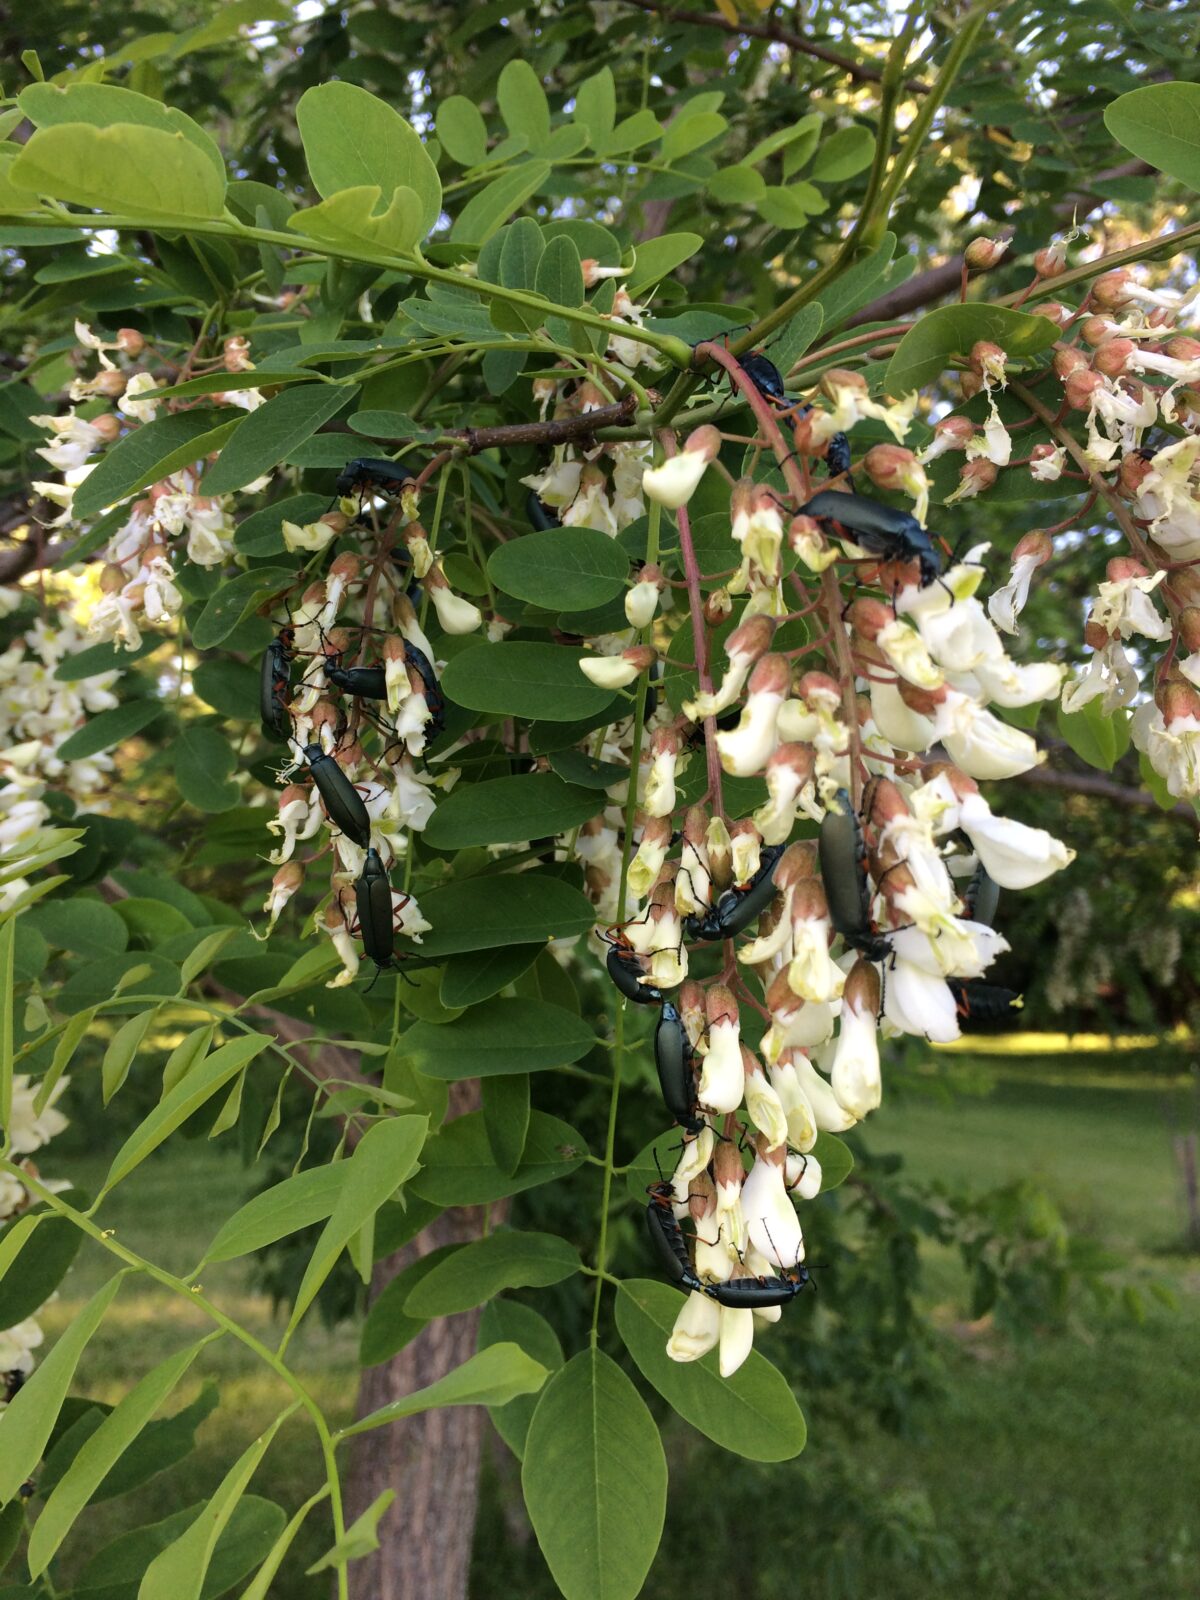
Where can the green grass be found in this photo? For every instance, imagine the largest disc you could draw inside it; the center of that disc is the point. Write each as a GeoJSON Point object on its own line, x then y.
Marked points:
{"type": "Point", "coordinates": [1063, 1465]}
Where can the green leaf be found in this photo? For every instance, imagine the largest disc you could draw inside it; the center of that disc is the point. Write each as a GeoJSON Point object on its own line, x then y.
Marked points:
{"type": "Point", "coordinates": [204, 760]}
{"type": "Point", "coordinates": [36, 1267]}
{"type": "Point", "coordinates": [140, 171]}
{"type": "Point", "coordinates": [265, 1576]}
{"type": "Point", "coordinates": [386, 1156]}
{"type": "Point", "coordinates": [122, 1048]}
{"type": "Point", "coordinates": [510, 1321]}
{"type": "Point", "coordinates": [504, 1260]}
{"type": "Point", "coordinates": [656, 258]}
{"type": "Point", "coordinates": [32, 1412]}
{"type": "Point", "coordinates": [13, 1238]}
{"type": "Point", "coordinates": [359, 1539]}
{"type": "Point", "coordinates": [796, 337]}
{"type": "Point", "coordinates": [561, 569]}
{"type": "Point", "coordinates": [596, 106]}
{"type": "Point", "coordinates": [294, 1203]}
{"type": "Point", "coordinates": [686, 133]}
{"type": "Point", "coordinates": [506, 810]}
{"type": "Point", "coordinates": [513, 908]}
{"type": "Point", "coordinates": [191, 1048]}
{"type": "Point", "coordinates": [754, 1414]}
{"type": "Point", "coordinates": [803, 133]}
{"type": "Point", "coordinates": [1160, 123]}
{"type": "Point", "coordinates": [173, 1110]}
{"type": "Point", "coordinates": [790, 205]}
{"type": "Point", "coordinates": [468, 979]}
{"type": "Point", "coordinates": [273, 431]}
{"type": "Point", "coordinates": [595, 1480]}
{"type": "Point", "coordinates": [109, 728]}
{"type": "Point", "coordinates": [178, 1572]}
{"type": "Point", "coordinates": [488, 210]}
{"type": "Point", "coordinates": [462, 130]}
{"type": "Point", "coordinates": [102, 105]}
{"type": "Point", "coordinates": [643, 127]}
{"type": "Point", "coordinates": [736, 186]}
{"type": "Point", "coordinates": [857, 285]}
{"type": "Point", "coordinates": [523, 680]}
{"type": "Point", "coordinates": [846, 152]}
{"type": "Point", "coordinates": [365, 214]}
{"type": "Point", "coordinates": [352, 140]}
{"type": "Point", "coordinates": [12, 1526]}
{"type": "Point", "coordinates": [523, 104]}
{"type": "Point", "coordinates": [388, 1326]}
{"type": "Point", "coordinates": [233, 599]}
{"type": "Point", "coordinates": [520, 254]}
{"type": "Point", "coordinates": [88, 927]}
{"type": "Point", "coordinates": [499, 1036]}
{"type": "Point", "coordinates": [925, 350]}
{"type": "Point", "coordinates": [249, 1533]}
{"type": "Point", "coordinates": [459, 1169]}
{"type": "Point", "coordinates": [506, 1117]}
{"type": "Point", "coordinates": [100, 1453]}
{"type": "Point", "coordinates": [836, 1161]}
{"type": "Point", "coordinates": [491, 1378]}
{"type": "Point", "coordinates": [1091, 733]}
{"type": "Point", "coordinates": [151, 452]}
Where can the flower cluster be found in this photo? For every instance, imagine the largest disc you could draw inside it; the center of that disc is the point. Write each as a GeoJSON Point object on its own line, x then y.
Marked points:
{"type": "Point", "coordinates": [33, 1125]}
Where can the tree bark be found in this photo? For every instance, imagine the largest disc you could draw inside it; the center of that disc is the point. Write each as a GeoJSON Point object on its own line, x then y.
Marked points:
{"type": "Point", "coordinates": [431, 1461]}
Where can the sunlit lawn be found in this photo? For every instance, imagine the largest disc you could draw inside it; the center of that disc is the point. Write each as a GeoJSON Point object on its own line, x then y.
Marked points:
{"type": "Point", "coordinates": [1065, 1466]}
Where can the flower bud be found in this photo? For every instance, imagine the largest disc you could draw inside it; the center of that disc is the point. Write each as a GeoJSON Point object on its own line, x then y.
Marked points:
{"type": "Point", "coordinates": [1056, 311]}
{"type": "Point", "coordinates": [719, 849]}
{"type": "Point", "coordinates": [1112, 357]}
{"type": "Point", "coordinates": [107, 427]}
{"type": "Point", "coordinates": [987, 359]}
{"type": "Point", "coordinates": [674, 483]}
{"type": "Point", "coordinates": [617, 672]}
{"type": "Point", "coordinates": [983, 253]}
{"type": "Point", "coordinates": [1068, 359]}
{"type": "Point", "coordinates": [969, 384]}
{"type": "Point", "coordinates": [1051, 259]}
{"type": "Point", "coordinates": [641, 602]}
{"type": "Point", "coordinates": [718, 607]}
{"type": "Point", "coordinates": [130, 342]}
{"type": "Point", "coordinates": [1079, 388]}
{"type": "Point", "coordinates": [111, 384]}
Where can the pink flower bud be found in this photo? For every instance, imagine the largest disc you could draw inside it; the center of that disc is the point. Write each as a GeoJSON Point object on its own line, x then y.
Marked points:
{"type": "Point", "coordinates": [1189, 633]}
{"type": "Point", "coordinates": [1056, 311]}
{"type": "Point", "coordinates": [1049, 261]}
{"type": "Point", "coordinates": [890, 466]}
{"type": "Point", "coordinates": [1079, 388]}
{"type": "Point", "coordinates": [958, 430]}
{"type": "Point", "coordinates": [1069, 360]}
{"type": "Point", "coordinates": [130, 342]}
{"type": "Point", "coordinates": [1111, 290]}
{"type": "Point", "coordinates": [970, 384]}
{"type": "Point", "coordinates": [983, 253]}
{"type": "Point", "coordinates": [1035, 543]}
{"type": "Point", "coordinates": [1112, 356]}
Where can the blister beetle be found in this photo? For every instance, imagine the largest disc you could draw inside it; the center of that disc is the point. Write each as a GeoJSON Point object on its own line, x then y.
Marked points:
{"type": "Point", "coordinates": [373, 903]}
{"type": "Point", "coordinates": [366, 683]}
{"type": "Point", "coordinates": [982, 897]}
{"type": "Point", "coordinates": [676, 1070]}
{"type": "Point", "coordinates": [416, 658]}
{"type": "Point", "coordinates": [980, 1003]}
{"type": "Point", "coordinates": [275, 685]}
{"type": "Point", "coordinates": [343, 803]}
{"type": "Point", "coordinates": [539, 515]}
{"type": "Point", "coordinates": [842, 854]}
{"type": "Point", "coordinates": [884, 531]}
{"type": "Point", "coordinates": [667, 1236]}
{"type": "Point", "coordinates": [740, 1294]}
{"type": "Point", "coordinates": [737, 908]}
{"type": "Point", "coordinates": [625, 969]}
{"type": "Point", "coordinates": [372, 472]}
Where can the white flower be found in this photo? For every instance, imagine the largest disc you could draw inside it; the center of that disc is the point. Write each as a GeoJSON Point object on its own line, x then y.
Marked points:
{"type": "Point", "coordinates": [1049, 468]}
{"type": "Point", "coordinates": [675, 481]}
{"type": "Point", "coordinates": [907, 653]}
{"type": "Point", "coordinates": [312, 536]}
{"type": "Point", "coordinates": [979, 743]}
{"type": "Point", "coordinates": [17, 1345]}
{"type": "Point", "coordinates": [131, 403]}
{"type": "Point", "coordinates": [1110, 674]}
{"type": "Point", "coordinates": [722, 1080]}
{"type": "Point", "coordinates": [737, 1338]}
{"type": "Point", "coordinates": [855, 1076]}
{"type": "Point", "coordinates": [30, 1130]}
{"type": "Point", "coordinates": [831, 1116]}
{"type": "Point", "coordinates": [455, 614]}
{"type": "Point", "coordinates": [610, 672]}
{"type": "Point", "coordinates": [771, 1219]}
{"type": "Point", "coordinates": [1006, 604]}
{"type": "Point", "coordinates": [1123, 607]}
{"type": "Point", "coordinates": [1013, 855]}
{"type": "Point", "coordinates": [916, 1002]}
{"type": "Point", "coordinates": [763, 1104]}
{"type": "Point", "coordinates": [797, 1108]}
{"type": "Point", "coordinates": [641, 603]}
{"type": "Point", "coordinates": [697, 1328]}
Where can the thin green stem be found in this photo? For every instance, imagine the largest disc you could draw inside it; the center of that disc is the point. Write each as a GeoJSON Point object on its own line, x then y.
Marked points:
{"type": "Point", "coordinates": [192, 1295]}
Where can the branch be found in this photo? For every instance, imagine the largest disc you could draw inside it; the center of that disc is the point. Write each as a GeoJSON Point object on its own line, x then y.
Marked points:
{"type": "Point", "coordinates": [858, 70]}
{"type": "Point", "coordinates": [1098, 786]}
{"type": "Point", "coordinates": [556, 431]}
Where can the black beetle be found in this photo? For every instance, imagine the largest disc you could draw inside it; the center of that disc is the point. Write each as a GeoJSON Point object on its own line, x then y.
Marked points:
{"type": "Point", "coordinates": [275, 684]}
{"type": "Point", "coordinates": [676, 1070]}
{"type": "Point", "coordinates": [625, 968]}
{"type": "Point", "coordinates": [343, 803]}
{"type": "Point", "coordinates": [890, 534]}
{"type": "Point", "coordinates": [372, 472]}
{"type": "Point", "coordinates": [737, 908]}
{"type": "Point", "coordinates": [842, 855]}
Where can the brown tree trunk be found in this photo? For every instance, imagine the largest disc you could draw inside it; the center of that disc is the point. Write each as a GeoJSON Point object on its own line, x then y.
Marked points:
{"type": "Point", "coordinates": [432, 1461]}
